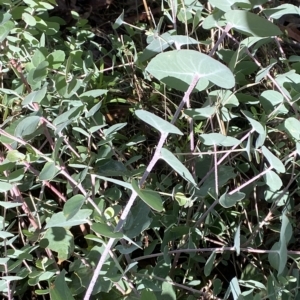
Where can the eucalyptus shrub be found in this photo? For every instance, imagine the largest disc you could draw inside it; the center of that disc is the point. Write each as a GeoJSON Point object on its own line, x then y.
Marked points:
{"type": "Point", "coordinates": [194, 197]}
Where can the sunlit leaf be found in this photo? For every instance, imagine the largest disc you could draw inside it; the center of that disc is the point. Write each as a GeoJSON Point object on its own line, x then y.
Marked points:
{"type": "Point", "coordinates": [4, 187]}
{"type": "Point", "coordinates": [273, 180]}
{"type": "Point", "coordinates": [292, 126]}
{"type": "Point", "coordinates": [237, 240]}
{"type": "Point", "coordinates": [59, 240]}
{"type": "Point", "coordinates": [158, 123]}
{"type": "Point", "coordinates": [274, 161]}
{"type": "Point", "coordinates": [59, 219]}
{"type": "Point", "coordinates": [178, 68]}
{"type": "Point", "coordinates": [72, 206]}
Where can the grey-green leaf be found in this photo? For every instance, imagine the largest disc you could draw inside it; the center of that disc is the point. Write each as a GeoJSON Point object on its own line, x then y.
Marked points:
{"type": "Point", "coordinates": [178, 68]}
{"type": "Point", "coordinates": [35, 96]}
{"type": "Point", "coordinates": [60, 220]}
{"type": "Point", "coordinates": [227, 200]}
{"type": "Point", "coordinates": [209, 264]}
{"type": "Point", "coordinates": [27, 126]}
{"type": "Point", "coordinates": [251, 24]}
{"type": "Point", "coordinates": [158, 123]}
{"type": "Point", "coordinates": [72, 206]}
{"type": "Point", "coordinates": [226, 5]}
{"type": "Point", "coordinates": [105, 230]}
{"type": "Point", "coordinates": [176, 165]}
{"type": "Point", "coordinates": [274, 161]}
{"type": "Point", "coordinates": [151, 198]}
{"type": "Point", "coordinates": [237, 240]}
{"type": "Point", "coordinates": [273, 180]}
{"type": "Point", "coordinates": [60, 290]}
{"type": "Point", "coordinates": [218, 139]}
{"type": "Point", "coordinates": [292, 126]}
{"type": "Point", "coordinates": [48, 172]}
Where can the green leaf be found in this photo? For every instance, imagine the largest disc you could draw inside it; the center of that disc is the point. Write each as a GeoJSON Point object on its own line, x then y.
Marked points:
{"type": "Point", "coordinates": [40, 72]}
{"type": "Point", "coordinates": [274, 161]}
{"type": "Point", "coordinates": [5, 187]}
{"type": "Point", "coordinates": [235, 288]}
{"type": "Point", "coordinates": [286, 230]}
{"type": "Point", "coordinates": [237, 240]}
{"type": "Point", "coordinates": [119, 21]}
{"type": "Point", "coordinates": [48, 172]}
{"type": "Point", "coordinates": [218, 139]}
{"type": "Point", "coordinates": [200, 113]}
{"type": "Point", "coordinates": [60, 290]}
{"type": "Point", "coordinates": [176, 165]}
{"type": "Point", "coordinates": [116, 181]}
{"type": "Point", "coordinates": [59, 240]}
{"type": "Point", "coordinates": [59, 219]}
{"type": "Point", "coordinates": [69, 115]}
{"type": "Point", "coordinates": [72, 206]}
{"type": "Point", "coordinates": [273, 180]}
{"type": "Point", "coordinates": [29, 19]}
{"type": "Point", "coordinates": [27, 126]}
{"type": "Point", "coordinates": [217, 286]}
{"type": "Point", "coordinates": [15, 156]}
{"type": "Point", "coordinates": [147, 295]}
{"type": "Point", "coordinates": [257, 126]}
{"type": "Point", "coordinates": [56, 59]}
{"type": "Point", "coordinates": [8, 205]}
{"type": "Point", "coordinates": [292, 126]}
{"type": "Point", "coordinates": [35, 97]}
{"type": "Point", "coordinates": [5, 234]}
{"type": "Point", "coordinates": [209, 264]}
{"type": "Point", "coordinates": [178, 68]}
{"type": "Point", "coordinates": [92, 94]}
{"type": "Point", "coordinates": [158, 123]}
{"type": "Point", "coordinates": [105, 230]}
{"type": "Point", "coordinates": [251, 24]}
{"type": "Point", "coordinates": [138, 220]}
{"type": "Point", "coordinates": [281, 10]}
{"type": "Point", "coordinates": [168, 292]}
{"type": "Point", "coordinates": [93, 110]}
{"type": "Point", "coordinates": [278, 258]}
{"type": "Point", "coordinates": [164, 41]}
{"type": "Point", "coordinates": [151, 198]}
{"type": "Point", "coordinates": [227, 200]}
{"type": "Point", "coordinates": [226, 5]}
{"type": "Point", "coordinates": [181, 198]}
{"type": "Point", "coordinates": [273, 102]}
{"type": "Point", "coordinates": [5, 29]}
{"type": "Point", "coordinates": [265, 71]}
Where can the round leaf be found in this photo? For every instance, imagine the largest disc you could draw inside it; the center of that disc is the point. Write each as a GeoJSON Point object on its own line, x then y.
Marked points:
{"type": "Point", "coordinates": [177, 69]}
{"type": "Point", "coordinates": [227, 200]}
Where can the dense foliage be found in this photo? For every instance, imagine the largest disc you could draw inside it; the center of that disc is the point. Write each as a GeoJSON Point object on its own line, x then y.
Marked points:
{"type": "Point", "coordinates": [149, 156]}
